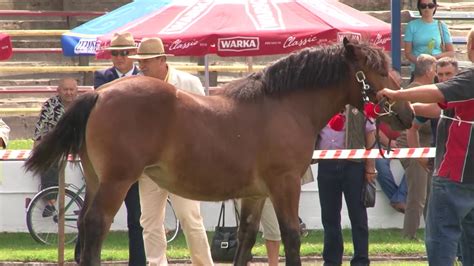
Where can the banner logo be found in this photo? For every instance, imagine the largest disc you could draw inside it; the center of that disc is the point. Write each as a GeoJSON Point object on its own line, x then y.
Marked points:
{"type": "Point", "coordinates": [349, 35]}
{"type": "Point", "coordinates": [86, 46]}
{"type": "Point", "coordinates": [182, 45]}
{"type": "Point", "coordinates": [238, 44]}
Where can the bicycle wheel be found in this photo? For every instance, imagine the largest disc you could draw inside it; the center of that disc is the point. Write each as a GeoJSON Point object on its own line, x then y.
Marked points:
{"type": "Point", "coordinates": [171, 223]}
{"type": "Point", "coordinates": [42, 221]}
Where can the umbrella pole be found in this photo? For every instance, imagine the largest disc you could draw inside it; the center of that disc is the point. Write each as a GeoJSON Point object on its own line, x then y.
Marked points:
{"type": "Point", "coordinates": [249, 64]}
{"type": "Point", "coordinates": [206, 74]}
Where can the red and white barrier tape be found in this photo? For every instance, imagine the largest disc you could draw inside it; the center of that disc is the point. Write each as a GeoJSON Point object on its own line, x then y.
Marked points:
{"type": "Point", "coordinates": [17, 155]}
{"type": "Point", "coordinates": [375, 153]}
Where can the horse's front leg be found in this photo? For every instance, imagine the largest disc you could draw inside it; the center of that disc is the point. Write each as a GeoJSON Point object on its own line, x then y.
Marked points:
{"type": "Point", "coordinates": [285, 200]}
{"type": "Point", "coordinates": [250, 212]}
{"type": "Point", "coordinates": [99, 216]}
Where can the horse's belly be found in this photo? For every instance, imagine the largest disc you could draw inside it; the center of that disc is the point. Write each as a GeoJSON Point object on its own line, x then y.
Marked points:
{"type": "Point", "coordinates": [201, 188]}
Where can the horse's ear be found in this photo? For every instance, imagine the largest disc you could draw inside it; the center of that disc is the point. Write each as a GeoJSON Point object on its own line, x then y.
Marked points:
{"type": "Point", "coordinates": [345, 41]}
{"type": "Point", "coordinates": [350, 49]}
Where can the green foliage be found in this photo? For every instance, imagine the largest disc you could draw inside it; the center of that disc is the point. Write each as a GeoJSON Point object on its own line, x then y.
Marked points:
{"type": "Point", "coordinates": [383, 242]}
{"type": "Point", "coordinates": [20, 144]}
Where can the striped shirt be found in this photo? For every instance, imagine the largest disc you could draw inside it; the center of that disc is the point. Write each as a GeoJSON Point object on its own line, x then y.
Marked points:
{"type": "Point", "coordinates": [51, 112]}
{"type": "Point", "coordinates": [455, 144]}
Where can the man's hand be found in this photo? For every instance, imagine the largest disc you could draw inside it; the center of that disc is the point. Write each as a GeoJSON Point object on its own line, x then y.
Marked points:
{"type": "Point", "coordinates": [370, 176]}
{"type": "Point", "coordinates": [388, 93]}
{"type": "Point", "coordinates": [426, 163]}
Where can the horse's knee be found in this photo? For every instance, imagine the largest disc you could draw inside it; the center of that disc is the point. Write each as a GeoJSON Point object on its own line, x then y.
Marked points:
{"type": "Point", "coordinates": [93, 223]}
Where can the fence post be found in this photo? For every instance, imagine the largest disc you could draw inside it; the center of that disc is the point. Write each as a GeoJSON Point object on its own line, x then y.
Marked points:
{"type": "Point", "coordinates": [212, 74]}
{"type": "Point", "coordinates": [88, 77]}
{"type": "Point", "coordinates": [61, 192]}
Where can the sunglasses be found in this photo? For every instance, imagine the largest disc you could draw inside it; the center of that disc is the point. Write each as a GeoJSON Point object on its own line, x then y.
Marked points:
{"type": "Point", "coordinates": [121, 53]}
{"type": "Point", "coordinates": [430, 6]}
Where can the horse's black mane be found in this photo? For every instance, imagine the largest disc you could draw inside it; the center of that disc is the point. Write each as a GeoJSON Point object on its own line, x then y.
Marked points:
{"type": "Point", "coordinates": [309, 68]}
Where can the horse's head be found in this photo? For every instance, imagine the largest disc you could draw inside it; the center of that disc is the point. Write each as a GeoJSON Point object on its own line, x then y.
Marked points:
{"type": "Point", "coordinates": [371, 71]}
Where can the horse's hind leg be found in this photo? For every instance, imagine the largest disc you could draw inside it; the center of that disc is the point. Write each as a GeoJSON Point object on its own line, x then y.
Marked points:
{"type": "Point", "coordinates": [99, 216]}
{"type": "Point", "coordinates": [286, 203]}
{"type": "Point", "coordinates": [92, 183]}
{"type": "Point", "coordinates": [250, 212]}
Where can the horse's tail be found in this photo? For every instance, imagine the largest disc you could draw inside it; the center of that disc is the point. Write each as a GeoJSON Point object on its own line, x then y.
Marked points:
{"type": "Point", "coordinates": [66, 138]}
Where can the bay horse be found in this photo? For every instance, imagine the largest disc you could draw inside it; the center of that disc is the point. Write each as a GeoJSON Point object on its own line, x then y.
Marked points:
{"type": "Point", "coordinates": [253, 140]}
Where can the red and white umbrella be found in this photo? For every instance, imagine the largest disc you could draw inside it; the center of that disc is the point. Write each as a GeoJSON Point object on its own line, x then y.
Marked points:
{"type": "Point", "coordinates": [252, 27]}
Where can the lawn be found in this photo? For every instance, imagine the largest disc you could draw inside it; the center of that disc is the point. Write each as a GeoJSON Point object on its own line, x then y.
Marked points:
{"type": "Point", "coordinates": [20, 144]}
{"type": "Point", "coordinates": [383, 243]}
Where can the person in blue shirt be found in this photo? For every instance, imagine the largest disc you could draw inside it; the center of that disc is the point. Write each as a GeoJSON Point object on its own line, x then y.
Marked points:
{"type": "Point", "coordinates": [427, 35]}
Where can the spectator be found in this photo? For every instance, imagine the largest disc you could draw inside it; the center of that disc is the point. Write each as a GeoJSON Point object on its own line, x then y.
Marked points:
{"type": "Point", "coordinates": [396, 193]}
{"type": "Point", "coordinates": [4, 133]}
{"type": "Point", "coordinates": [427, 35]}
{"type": "Point", "coordinates": [417, 176]}
{"type": "Point", "coordinates": [51, 111]}
{"type": "Point", "coordinates": [451, 204]}
{"type": "Point", "coordinates": [121, 46]}
{"type": "Point", "coordinates": [338, 177]}
{"type": "Point", "coordinates": [446, 68]}
{"type": "Point", "coordinates": [470, 45]}
{"type": "Point", "coordinates": [271, 229]}
{"type": "Point", "coordinates": [152, 61]}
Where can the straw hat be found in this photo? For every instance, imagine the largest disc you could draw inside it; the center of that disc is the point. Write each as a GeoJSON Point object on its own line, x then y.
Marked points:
{"type": "Point", "coordinates": [150, 48]}
{"type": "Point", "coordinates": [122, 41]}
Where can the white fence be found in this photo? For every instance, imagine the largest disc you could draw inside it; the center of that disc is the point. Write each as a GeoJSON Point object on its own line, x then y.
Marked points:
{"type": "Point", "coordinates": [16, 186]}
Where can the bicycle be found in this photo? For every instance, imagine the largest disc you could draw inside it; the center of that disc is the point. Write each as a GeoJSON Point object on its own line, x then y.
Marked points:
{"type": "Point", "coordinates": [43, 223]}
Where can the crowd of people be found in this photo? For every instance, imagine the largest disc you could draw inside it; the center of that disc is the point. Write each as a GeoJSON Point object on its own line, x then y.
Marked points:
{"type": "Point", "coordinates": [441, 190]}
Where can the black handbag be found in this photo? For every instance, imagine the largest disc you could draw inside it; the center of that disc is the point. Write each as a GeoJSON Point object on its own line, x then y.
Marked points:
{"type": "Point", "coordinates": [224, 241]}
{"type": "Point", "coordinates": [368, 194]}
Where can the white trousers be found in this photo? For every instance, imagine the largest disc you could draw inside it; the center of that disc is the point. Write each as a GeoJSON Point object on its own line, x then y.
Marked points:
{"type": "Point", "coordinates": [153, 204]}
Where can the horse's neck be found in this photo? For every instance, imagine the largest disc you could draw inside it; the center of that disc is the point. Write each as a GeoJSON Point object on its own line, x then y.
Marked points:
{"type": "Point", "coordinates": [319, 105]}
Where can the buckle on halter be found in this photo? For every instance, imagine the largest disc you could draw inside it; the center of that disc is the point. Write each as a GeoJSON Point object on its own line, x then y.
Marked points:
{"type": "Point", "coordinates": [224, 244]}
{"type": "Point", "coordinates": [360, 76]}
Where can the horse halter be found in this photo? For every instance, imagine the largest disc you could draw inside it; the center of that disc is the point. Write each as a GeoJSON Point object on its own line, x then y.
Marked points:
{"type": "Point", "coordinates": [383, 104]}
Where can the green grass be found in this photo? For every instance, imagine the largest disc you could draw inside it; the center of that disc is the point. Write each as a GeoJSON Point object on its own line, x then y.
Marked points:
{"type": "Point", "coordinates": [20, 144]}
{"type": "Point", "coordinates": [383, 242]}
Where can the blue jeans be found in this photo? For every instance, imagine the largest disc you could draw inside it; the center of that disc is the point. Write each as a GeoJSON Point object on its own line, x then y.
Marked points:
{"type": "Point", "coordinates": [395, 193]}
{"type": "Point", "coordinates": [337, 178]}
{"type": "Point", "coordinates": [450, 218]}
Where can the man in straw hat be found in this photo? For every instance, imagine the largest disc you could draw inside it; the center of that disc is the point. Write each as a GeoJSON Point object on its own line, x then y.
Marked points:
{"type": "Point", "coordinates": [121, 46]}
{"type": "Point", "coordinates": [152, 61]}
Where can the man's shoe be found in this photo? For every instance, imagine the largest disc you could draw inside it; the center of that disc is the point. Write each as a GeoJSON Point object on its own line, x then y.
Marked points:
{"type": "Point", "coordinates": [48, 211]}
{"type": "Point", "coordinates": [398, 206]}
